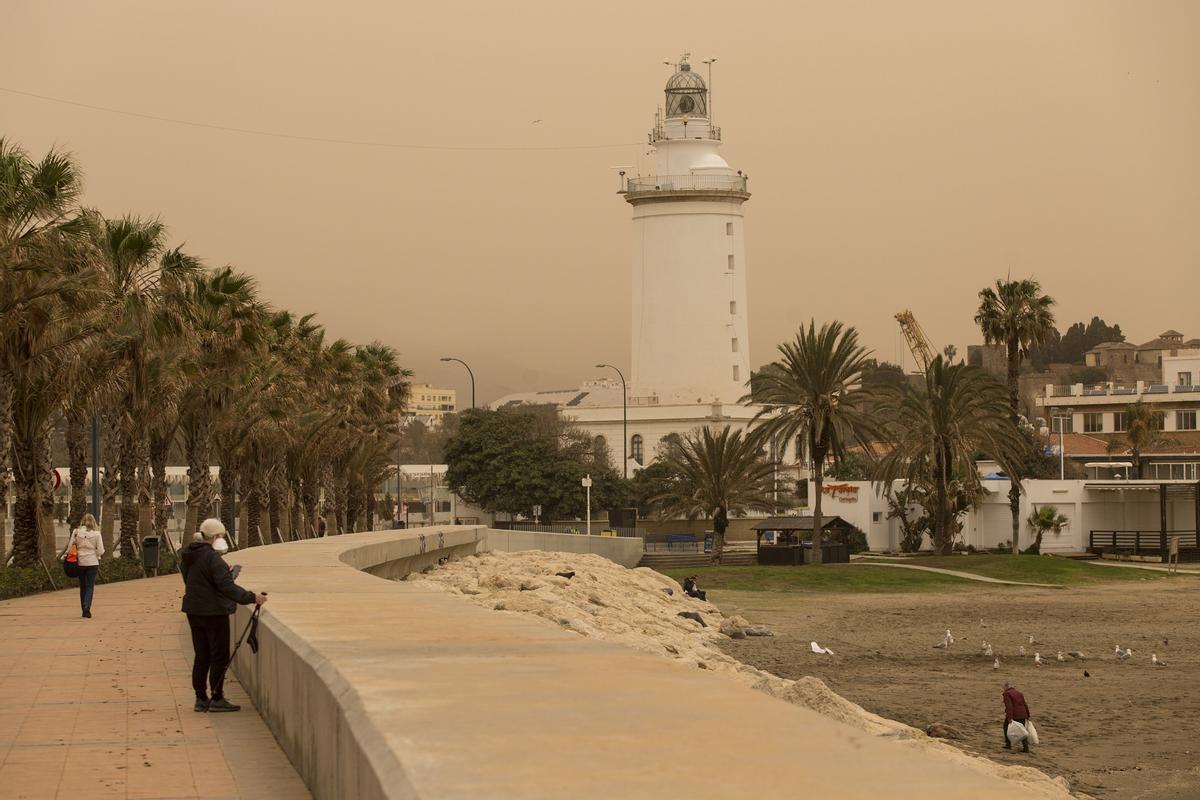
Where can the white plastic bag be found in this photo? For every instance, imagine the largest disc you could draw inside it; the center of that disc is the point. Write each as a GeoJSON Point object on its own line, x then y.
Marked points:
{"type": "Point", "coordinates": [1017, 732]}
{"type": "Point", "coordinates": [1033, 735]}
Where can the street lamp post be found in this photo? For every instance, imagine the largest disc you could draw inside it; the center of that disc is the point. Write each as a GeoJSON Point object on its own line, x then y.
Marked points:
{"type": "Point", "coordinates": [587, 484]}
{"type": "Point", "coordinates": [469, 372]}
{"type": "Point", "coordinates": [1061, 419]}
{"type": "Point", "coordinates": [624, 419]}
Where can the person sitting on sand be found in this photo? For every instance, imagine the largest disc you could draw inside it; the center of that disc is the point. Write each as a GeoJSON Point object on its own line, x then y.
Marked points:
{"type": "Point", "coordinates": [1016, 709]}
{"type": "Point", "coordinates": [691, 589]}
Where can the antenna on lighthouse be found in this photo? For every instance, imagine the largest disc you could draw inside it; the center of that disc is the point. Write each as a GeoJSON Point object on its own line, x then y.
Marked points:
{"type": "Point", "coordinates": [712, 121]}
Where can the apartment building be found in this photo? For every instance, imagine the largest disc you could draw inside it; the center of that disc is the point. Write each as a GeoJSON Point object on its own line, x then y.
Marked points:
{"type": "Point", "coordinates": [431, 403]}
{"type": "Point", "coordinates": [1101, 412]}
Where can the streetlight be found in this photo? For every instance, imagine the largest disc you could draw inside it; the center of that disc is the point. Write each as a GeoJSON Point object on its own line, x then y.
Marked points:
{"type": "Point", "coordinates": [469, 372]}
{"type": "Point", "coordinates": [624, 419]}
{"type": "Point", "coordinates": [587, 484]}
{"type": "Point", "coordinates": [1062, 419]}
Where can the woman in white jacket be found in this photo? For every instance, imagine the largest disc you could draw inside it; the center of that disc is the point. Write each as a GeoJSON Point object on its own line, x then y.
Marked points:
{"type": "Point", "coordinates": [88, 548]}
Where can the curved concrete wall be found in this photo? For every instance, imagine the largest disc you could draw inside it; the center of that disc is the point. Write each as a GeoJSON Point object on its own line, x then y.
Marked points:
{"type": "Point", "coordinates": [383, 689]}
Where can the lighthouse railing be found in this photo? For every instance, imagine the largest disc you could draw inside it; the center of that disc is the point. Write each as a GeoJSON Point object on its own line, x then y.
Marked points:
{"type": "Point", "coordinates": [687, 183]}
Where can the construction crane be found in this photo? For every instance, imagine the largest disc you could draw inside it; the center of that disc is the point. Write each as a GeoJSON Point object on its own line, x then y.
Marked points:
{"type": "Point", "coordinates": [918, 342]}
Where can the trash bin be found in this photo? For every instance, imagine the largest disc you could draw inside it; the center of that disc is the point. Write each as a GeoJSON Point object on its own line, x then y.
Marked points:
{"type": "Point", "coordinates": [708, 541]}
{"type": "Point", "coordinates": [150, 552]}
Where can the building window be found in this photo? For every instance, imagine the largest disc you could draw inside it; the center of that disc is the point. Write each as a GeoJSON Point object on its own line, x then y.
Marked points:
{"type": "Point", "coordinates": [1185, 420]}
{"type": "Point", "coordinates": [737, 373]}
{"type": "Point", "coordinates": [1185, 379]}
{"type": "Point", "coordinates": [731, 262]}
{"type": "Point", "coordinates": [1062, 423]}
{"type": "Point", "coordinates": [876, 517]}
{"type": "Point", "coordinates": [1120, 421]}
{"type": "Point", "coordinates": [733, 345]}
{"type": "Point", "coordinates": [1093, 422]}
{"type": "Point", "coordinates": [635, 447]}
{"type": "Point", "coordinates": [733, 306]}
{"type": "Point", "coordinates": [729, 229]}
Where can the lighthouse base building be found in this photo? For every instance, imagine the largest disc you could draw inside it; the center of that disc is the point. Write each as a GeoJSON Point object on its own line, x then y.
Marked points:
{"type": "Point", "coordinates": [689, 366]}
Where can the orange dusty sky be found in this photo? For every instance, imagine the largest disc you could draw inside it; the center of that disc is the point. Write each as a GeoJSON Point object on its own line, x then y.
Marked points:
{"type": "Point", "coordinates": [901, 155]}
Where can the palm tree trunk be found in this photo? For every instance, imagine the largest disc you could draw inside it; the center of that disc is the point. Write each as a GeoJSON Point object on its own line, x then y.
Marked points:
{"type": "Point", "coordinates": [109, 486]}
{"type": "Point", "coordinates": [47, 541]}
{"type": "Point", "coordinates": [274, 511]}
{"type": "Point", "coordinates": [818, 478]}
{"type": "Point", "coordinates": [78, 432]}
{"type": "Point", "coordinates": [253, 517]}
{"type": "Point", "coordinates": [5, 447]}
{"type": "Point", "coordinates": [1014, 491]}
{"type": "Point", "coordinates": [200, 492]}
{"type": "Point", "coordinates": [309, 508]}
{"type": "Point", "coordinates": [160, 446]}
{"type": "Point", "coordinates": [370, 510]}
{"type": "Point", "coordinates": [229, 481]}
{"type": "Point", "coordinates": [26, 502]}
{"type": "Point", "coordinates": [127, 466]}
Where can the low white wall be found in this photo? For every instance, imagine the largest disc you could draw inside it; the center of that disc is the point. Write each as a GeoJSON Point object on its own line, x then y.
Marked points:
{"type": "Point", "coordinates": [626, 551]}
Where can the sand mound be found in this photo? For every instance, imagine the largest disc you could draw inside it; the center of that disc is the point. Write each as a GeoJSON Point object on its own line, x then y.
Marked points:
{"type": "Point", "coordinates": [641, 608]}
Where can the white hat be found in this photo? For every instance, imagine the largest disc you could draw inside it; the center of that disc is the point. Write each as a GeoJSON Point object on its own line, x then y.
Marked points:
{"type": "Point", "coordinates": [211, 528]}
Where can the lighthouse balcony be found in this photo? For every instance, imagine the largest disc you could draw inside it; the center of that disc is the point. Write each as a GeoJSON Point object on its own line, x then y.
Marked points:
{"type": "Point", "coordinates": [644, 187]}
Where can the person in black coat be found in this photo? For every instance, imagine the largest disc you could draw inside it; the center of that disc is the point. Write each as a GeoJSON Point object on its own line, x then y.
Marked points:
{"type": "Point", "coordinates": [210, 597]}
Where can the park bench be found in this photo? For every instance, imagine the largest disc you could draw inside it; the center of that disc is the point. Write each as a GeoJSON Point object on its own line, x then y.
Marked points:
{"type": "Point", "coordinates": [683, 540]}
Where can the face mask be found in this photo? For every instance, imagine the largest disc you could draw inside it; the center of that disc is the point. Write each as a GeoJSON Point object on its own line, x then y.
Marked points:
{"type": "Point", "coordinates": [220, 545]}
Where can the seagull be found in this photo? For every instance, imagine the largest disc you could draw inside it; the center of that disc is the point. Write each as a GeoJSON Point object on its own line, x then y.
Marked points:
{"type": "Point", "coordinates": [949, 637]}
{"type": "Point", "coordinates": [996, 664]}
{"type": "Point", "coordinates": [535, 122]}
{"type": "Point", "coordinates": [1122, 655]}
{"type": "Point", "coordinates": [1155, 661]}
{"type": "Point", "coordinates": [1060, 656]}
{"type": "Point", "coordinates": [1117, 651]}
{"type": "Point", "coordinates": [1037, 659]}
{"type": "Point", "coordinates": [981, 623]}
{"type": "Point", "coordinates": [1022, 650]}
{"type": "Point", "coordinates": [988, 651]}
{"type": "Point", "coordinates": [1031, 638]}
{"type": "Point", "coordinates": [1076, 654]}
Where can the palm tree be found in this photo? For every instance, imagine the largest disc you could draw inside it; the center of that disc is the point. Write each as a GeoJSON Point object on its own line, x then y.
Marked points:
{"type": "Point", "coordinates": [1043, 520]}
{"type": "Point", "coordinates": [1017, 315]}
{"type": "Point", "coordinates": [1143, 432]}
{"type": "Point", "coordinates": [933, 436]}
{"type": "Point", "coordinates": [812, 393]}
{"type": "Point", "coordinates": [711, 470]}
{"type": "Point", "coordinates": [139, 273]}
{"type": "Point", "coordinates": [47, 318]}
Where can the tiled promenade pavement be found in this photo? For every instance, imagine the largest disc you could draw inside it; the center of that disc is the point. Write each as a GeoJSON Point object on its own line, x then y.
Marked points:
{"type": "Point", "coordinates": [102, 708]}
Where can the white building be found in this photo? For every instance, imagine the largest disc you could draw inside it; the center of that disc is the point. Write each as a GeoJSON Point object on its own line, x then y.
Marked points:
{"type": "Point", "coordinates": [690, 336]}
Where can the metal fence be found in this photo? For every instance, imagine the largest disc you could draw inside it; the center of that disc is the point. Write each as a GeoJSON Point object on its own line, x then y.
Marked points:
{"type": "Point", "coordinates": [598, 528]}
{"type": "Point", "coordinates": [686, 183]}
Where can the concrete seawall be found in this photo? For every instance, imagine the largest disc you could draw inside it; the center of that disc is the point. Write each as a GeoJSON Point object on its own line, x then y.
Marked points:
{"type": "Point", "coordinates": [380, 689]}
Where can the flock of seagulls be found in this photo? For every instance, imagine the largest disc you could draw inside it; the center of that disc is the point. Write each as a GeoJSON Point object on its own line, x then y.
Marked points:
{"type": "Point", "coordinates": [986, 649]}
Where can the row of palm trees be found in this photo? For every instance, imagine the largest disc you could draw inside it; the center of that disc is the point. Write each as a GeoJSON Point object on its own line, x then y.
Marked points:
{"type": "Point", "coordinates": [101, 319]}
{"type": "Point", "coordinates": [928, 435]}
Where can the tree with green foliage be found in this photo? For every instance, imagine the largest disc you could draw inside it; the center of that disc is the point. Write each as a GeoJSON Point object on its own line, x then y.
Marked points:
{"type": "Point", "coordinates": [510, 459]}
{"type": "Point", "coordinates": [713, 471]}
{"type": "Point", "coordinates": [934, 435]}
{"type": "Point", "coordinates": [855, 466]}
{"type": "Point", "coordinates": [1143, 432]}
{"type": "Point", "coordinates": [814, 391]}
{"type": "Point", "coordinates": [1017, 315]}
{"type": "Point", "coordinates": [1042, 521]}
{"type": "Point", "coordinates": [647, 485]}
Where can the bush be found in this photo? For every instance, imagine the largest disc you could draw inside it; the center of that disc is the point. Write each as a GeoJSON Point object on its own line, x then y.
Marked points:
{"type": "Point", "coordinates": [22, 581]}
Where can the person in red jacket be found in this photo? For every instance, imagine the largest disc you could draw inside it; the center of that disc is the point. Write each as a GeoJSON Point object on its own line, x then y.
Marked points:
{"type": "Point", "coordinates": [1015, 708]}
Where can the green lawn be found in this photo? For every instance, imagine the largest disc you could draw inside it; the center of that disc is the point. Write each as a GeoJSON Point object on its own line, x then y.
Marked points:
{"type": "Point", "coordinates": [1030, 569]}
{"type": "Point", "coordinates": [829, 578]}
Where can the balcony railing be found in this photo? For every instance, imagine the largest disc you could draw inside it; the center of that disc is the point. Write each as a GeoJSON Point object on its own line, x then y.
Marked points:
{"type": "Point", "coordinates": [686, 183]}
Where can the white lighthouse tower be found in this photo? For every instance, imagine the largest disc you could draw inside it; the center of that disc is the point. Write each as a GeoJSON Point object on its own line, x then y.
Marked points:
{"type": "Point", "coordinates": [690, 337]}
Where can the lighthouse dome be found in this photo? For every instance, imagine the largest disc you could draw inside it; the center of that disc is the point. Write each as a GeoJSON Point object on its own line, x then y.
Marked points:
{"type": "Point", "coordinates": [687, 96]}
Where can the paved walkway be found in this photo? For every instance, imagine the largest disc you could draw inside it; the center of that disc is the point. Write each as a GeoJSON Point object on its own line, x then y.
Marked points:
{"type": "Point", "coordinates": [971, 576]}
{"type": "Point", "coordinates": [1185, 568]}
{"type": "Point", "coordinates": [102, 708]}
